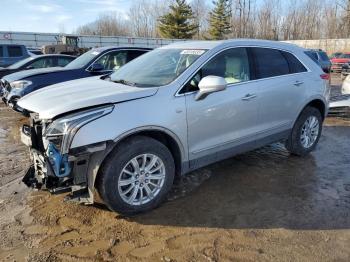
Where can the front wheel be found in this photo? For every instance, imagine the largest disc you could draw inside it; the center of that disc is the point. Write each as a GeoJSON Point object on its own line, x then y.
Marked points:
{"type": "Point", "coordinates": [137, 176]}
{"type": "Point", "coordinates": [306, 132]}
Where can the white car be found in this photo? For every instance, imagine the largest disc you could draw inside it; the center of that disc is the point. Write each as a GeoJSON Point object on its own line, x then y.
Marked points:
{"type": "Point", "coordinates": [345, 88]}
{"type": "Point", "coordinates": [171, 111]}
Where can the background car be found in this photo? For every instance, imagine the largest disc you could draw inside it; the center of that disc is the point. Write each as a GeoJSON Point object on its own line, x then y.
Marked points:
{"type": "Point", "coordinates": [98, 61]}
{"type": "Point", "coordinates": [345, 88]}
{"type": "Point", "coordinates": [335, 55]}
{"type": "Point", "coordinates": [34, 62]}
{"type": "Point", "coordinates": [345, 71]}
{"type": "Point", "coordinates": [10, 54]}
{"type": "Point", "coordinates": [34, 51]}
{"type": "Point", "coordinates": [338, 62]}
{"type": "Point", "coordinates": [321, 58]}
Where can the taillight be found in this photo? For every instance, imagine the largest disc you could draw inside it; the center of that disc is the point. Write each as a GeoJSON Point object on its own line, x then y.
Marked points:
{"type": "Point", "coordinates": [325, 76]}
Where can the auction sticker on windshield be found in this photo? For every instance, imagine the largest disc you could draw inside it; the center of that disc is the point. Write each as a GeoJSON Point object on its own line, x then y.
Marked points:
{"type": "Point", "coordinates": [192, 52]}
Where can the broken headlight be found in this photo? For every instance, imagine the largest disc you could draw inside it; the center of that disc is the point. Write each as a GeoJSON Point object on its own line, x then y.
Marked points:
{"type": "Point", "coordinates": [62, 131]}
{"type": "Point", "coordinates": [20, 84]}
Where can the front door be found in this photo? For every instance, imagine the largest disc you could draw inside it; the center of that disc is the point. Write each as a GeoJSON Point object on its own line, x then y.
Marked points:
{"type": "Point", "coordinates": [226, 119]}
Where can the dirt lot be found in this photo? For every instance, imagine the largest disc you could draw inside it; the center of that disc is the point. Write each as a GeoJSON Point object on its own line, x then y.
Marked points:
{"type": "Point", "coordinates": [260, 206]}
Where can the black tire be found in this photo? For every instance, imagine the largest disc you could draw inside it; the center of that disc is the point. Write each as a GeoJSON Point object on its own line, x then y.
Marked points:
{"type": "Point", "coordinates": [107, 182]}
{"type": "Point", "coordinates": [293, 143]}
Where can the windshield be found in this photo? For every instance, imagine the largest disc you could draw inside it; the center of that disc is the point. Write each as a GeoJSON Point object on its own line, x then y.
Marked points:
{"type": "Point", "coordinates": [344, 56]}
{"type": "Point", "coordinates": [21, 63]}
{"type": "Point", "coordinates": [83, 60]}
{"type": "Point", "coordinates": [156, 68]}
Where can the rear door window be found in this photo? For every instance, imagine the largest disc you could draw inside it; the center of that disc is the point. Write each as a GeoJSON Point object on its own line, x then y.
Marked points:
{"type": "Point", "coordinates": [14, 51]}
{"type": "Point", "coordinates": [269, 63]}
{"type": "Point", "coordinates": [295, 66]}
{"type": "Point", "coordinates": [63, 61]}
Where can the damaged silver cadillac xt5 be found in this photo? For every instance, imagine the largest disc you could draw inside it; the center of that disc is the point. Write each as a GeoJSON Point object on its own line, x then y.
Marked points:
{"type": "Point", "coordinates": [168, 112]}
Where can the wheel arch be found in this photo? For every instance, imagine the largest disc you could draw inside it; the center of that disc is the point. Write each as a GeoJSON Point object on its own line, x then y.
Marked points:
{"type": "Point", "coordinates": [318, 104]}
{"type": "Point", "coordinates": [165, 136]}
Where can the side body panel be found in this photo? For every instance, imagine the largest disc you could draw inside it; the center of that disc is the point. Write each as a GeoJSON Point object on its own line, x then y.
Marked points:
{"type": "Point", "coordinates": [221, 120]}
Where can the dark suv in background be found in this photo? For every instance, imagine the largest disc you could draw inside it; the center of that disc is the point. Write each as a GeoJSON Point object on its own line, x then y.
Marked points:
{"type": "Point", "coordinates": [320, 57]}
{"type": "Point", "coordinates": [35, 62]}
{"type": "Point", "coordinates": [98, 61]}
{"type": "Point", "coordinates": [10, 54]}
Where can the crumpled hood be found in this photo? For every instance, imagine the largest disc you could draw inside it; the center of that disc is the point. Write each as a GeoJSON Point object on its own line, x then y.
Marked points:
{"type": "Point", "coordinates": [62, 98]}
{"type": "Point", "coordinates": [32, 72]}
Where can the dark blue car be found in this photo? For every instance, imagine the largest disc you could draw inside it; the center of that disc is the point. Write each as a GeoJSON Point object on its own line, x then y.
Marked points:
{"type": "Point", "coordinates": [98, 61]}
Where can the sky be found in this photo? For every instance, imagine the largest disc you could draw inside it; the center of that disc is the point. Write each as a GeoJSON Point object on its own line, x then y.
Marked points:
{"type": "Point", "coordinates": [60, 16]}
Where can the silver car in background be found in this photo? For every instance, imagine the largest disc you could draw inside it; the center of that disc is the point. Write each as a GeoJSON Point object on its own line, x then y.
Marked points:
{"type": "Point", "coordinates": [168, 112]}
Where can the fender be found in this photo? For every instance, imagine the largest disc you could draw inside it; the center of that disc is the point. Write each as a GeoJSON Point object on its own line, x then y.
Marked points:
{"type": "Point", "coordinates": [310, 99]}
{"type": "Point", "coordinates": [97, 158]}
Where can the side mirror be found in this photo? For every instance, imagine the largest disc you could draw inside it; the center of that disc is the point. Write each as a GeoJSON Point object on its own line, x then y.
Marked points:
{"type": "Point", "coordinates": [96, 67]}
{"type": "Point", "coordinates": [210, 84]}
{"type": "Point", "coordinates": [29, 67]}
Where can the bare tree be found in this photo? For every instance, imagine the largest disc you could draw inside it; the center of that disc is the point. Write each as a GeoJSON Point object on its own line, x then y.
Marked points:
{"type": "Point", "coordinates": [266, 19]}
{"type": "Point", "coordinates": [109, 24]}
{"type": "Point", "coordinates": [143, 17]}
{"type": "Point", "coordinates": [200, 10]}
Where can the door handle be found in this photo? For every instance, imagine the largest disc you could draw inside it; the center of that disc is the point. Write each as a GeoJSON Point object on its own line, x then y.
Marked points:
{"type": "Point", "coordinates": [248, 97]}
{"type": "Point", "coordinates": [298, 83]}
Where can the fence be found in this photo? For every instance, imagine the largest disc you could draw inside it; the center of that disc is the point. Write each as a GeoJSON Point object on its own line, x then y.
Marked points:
{"type": "Point", "coordinates": [40, 39]}
{"type": "Point", "coordinates": [328, 45]}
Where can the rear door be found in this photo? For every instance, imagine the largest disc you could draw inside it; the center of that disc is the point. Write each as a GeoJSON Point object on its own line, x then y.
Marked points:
{"type": "Point", "coordinates": [281, 89]}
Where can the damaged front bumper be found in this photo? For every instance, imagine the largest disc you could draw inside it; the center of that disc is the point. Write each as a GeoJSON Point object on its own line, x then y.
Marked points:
{"type": "Point", "coordinates": [62, 173]}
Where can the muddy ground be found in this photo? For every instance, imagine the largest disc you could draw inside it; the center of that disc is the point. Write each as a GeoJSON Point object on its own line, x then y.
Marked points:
{"type": "Point", "coordinates": [264, 205]}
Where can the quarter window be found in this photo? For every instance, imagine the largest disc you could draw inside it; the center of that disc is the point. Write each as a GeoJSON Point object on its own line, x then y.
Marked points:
{"type": "Point", "coordinates": [1, 51]}
{"type": "Point", "coordinates": [269, 63]}
{"type": "Point", "coordinates": [14, 51]}
{"type": "Point", "coordinates": [63, 61]}
{"type": "Point", "coordinates": [232, 64]}
{"type": "Point", "coordinates": [295, 66]}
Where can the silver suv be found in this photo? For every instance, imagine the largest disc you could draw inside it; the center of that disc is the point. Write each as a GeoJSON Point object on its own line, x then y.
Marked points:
{"type": "Point", "coordinates": [168, 112]}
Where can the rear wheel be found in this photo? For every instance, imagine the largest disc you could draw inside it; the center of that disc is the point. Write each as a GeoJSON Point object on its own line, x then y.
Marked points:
{"type": "Point", "coordinates": [306, 132]}
{"type": "Point", "coordinates": [137, 176]}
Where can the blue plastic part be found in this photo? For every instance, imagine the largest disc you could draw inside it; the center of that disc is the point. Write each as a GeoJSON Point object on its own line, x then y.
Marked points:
{"type": "Point", "coordinates": [58, 162]}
